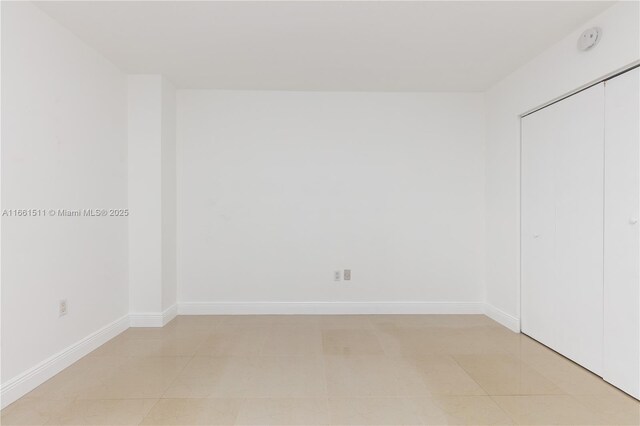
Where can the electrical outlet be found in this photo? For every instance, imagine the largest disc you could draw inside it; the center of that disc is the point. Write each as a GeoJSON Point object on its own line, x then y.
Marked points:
{"type": "Point", "coordinates": [336, 276]}
{"type": "Point", "coordinates": [347, 274]}
{"type": "Point", "coordinates": [62, 309]}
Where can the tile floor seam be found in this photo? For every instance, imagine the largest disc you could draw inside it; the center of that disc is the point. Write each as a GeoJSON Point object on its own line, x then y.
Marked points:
{"type": "Point", "coordinates": [164, 392]}
{"type": "Point", "coordinates": [148, 411]}
{"type": "Point", "coordinates": [469, 374]}
{"type": "Point", "coordinates": [513, 421]}
{"type": "Point", "coordinates": [485, 391]}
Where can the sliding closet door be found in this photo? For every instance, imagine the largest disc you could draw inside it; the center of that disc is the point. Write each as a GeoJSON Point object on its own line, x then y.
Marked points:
{"type": "Point", "coordinates": [562, 226]}
{"type": "Point", "coordinates": [622, 235]}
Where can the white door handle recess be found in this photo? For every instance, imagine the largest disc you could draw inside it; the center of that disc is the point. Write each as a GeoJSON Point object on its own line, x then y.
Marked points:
{"type": "Point", "coordinates": [633, 220]}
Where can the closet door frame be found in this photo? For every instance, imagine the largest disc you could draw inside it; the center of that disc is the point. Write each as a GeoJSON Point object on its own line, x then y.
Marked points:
{"type": "Point", "coordinates": [603, 79]}
{"type": "Point", "coordinates": [608, 76]}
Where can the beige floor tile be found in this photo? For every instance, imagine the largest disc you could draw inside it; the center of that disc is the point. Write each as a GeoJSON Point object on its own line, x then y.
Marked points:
{"type": "Point", "coordinates": [447, 340]}
{"type": "Point", "coordinates": [167, 346]}
{"type": "Point", "coordinates": [288, 377]}
{"type": "Point", "coordinates": [392, 340]}
{"type": "Point", "coordinates": [86, 373]}
{"type": "Point", "coordinates": [462, 410]}
{"type": "Point", "coordinates": [568, 376]}
{"type": "Point", "coordinates": [549, 410]}
{"type": "Point", "coordinates": [193, 412]}
{"type": "Point", "coordinates": [32, 411]}
{"type": "Point", "coordinates": [139, 377]}
{"type": "Point", "coordinates": [616, 407]}
{"type": "Point", "coordinates": [104, 412]}
{"type": "Point", "coordinates": [350, 342]}
{"type": "Point", "coordinates": [208, 377]}
{"type": "Point", "coordinates": [532, 346]}
{"type": "Point", "coordinates": [246, 320]}
{"type": "Point", "coordinates": [175, 346]}
{"type": "Point", "coordinates": [431, 413]}
{"type": "Point", "coordinates": [284, 411]}
{"type": "Point", "coordinates": [234, 341]}
{"type": "Point", "coordinates": [296, 321]}
{"type": "Point", "coordinates": [168, 331]}
{"type": "Point", "coordinates": [478, 340]}
{"type": "Point", "coordinates": [122, 346]}
{"type": "Point", "coordinates": [256, 320]}
{"type": "Point", "coordinates": [420, 321]}
{"type": "Point", "coordinates": [292, 341]}
{"type": "Point", "coordinates": [341, 322]}
{"type": "Point", "coordinates": [196, 321]}
{"type": "Point", "coordinates": [361, 376]}
{"type": "Point", "coordinates": [237, 377]}
{"type": "Point", "coordinates": [413, 341]}
{"type": "Point", "coordinates": [506, 375]}
{"type": "Point", "coordinates": [441, 375]}
{"type": "Point", "coordinates": [374, 411]}
{"type": "Point", "coordinates": [409, 381]}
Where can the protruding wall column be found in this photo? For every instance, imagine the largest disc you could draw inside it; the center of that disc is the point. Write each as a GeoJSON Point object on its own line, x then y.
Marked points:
{"type": "Point", "coordinates": [151, 142]}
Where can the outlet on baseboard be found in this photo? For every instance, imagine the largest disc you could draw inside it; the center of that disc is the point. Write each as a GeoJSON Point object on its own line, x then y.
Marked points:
{"type": "Point", "coordinates": [62, 309]}
{"type": "Point", "coordinates": [347, 274]}
{"type": "Point", "coordinates": [336, 276]}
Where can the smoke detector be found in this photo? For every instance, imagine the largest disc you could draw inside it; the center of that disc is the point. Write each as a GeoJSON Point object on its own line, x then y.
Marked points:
{"type": "Point", "coordinates": [589, 38]}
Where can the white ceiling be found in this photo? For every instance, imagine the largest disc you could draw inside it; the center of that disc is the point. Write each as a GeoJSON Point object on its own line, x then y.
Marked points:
{"type": "Point", "coordinates": [385, 46]}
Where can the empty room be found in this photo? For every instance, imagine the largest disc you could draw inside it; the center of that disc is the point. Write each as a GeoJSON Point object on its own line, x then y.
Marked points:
{"type": "Point", "coordinates": [320, 213]}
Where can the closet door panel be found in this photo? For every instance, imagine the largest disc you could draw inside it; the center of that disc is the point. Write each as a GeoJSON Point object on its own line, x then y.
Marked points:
{"type": "Point", "coordinates": [537, 228]}
{"type": "Point", "coordinates": [562, 226]}
{"type": "Point", "coordinates": [622, 235]}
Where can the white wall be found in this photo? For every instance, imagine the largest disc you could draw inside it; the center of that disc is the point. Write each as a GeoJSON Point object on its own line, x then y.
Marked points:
{"type": "Point", "coordinates": [276, 190]}
{"type": "Point", "coordinates": [559, 70]}
{"type": "Point", "coordinates": [168, 204]}
{"type": "Point", "coordinates": [152, 197]}
{"type": "Point", "coordinates": [145, 192]}
{"type": "Point", "coordinates": [63, 147]}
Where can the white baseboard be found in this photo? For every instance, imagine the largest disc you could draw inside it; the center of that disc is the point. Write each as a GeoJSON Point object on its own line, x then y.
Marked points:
{"type": "Point", "coordinates": [327, 308]}
{"type": "Point", "coordinates": [511, 322]}
{"type": "Point", "coordinates": [18, 386]}
{"type": "Point", "coordinates": [145, 319]}
{"type": "Point", "coordinates": [153, 319]}
{"type": "Point", "coordinates": [170, 313]}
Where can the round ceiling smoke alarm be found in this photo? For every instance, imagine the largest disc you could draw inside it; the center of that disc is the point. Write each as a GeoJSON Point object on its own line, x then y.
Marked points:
{"type": "Point", "coordinates": [589, 38]}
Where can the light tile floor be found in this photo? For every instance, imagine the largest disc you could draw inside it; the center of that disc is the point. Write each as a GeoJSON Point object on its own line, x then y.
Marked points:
{"type": "Point", "coordinates": [305, 370]}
